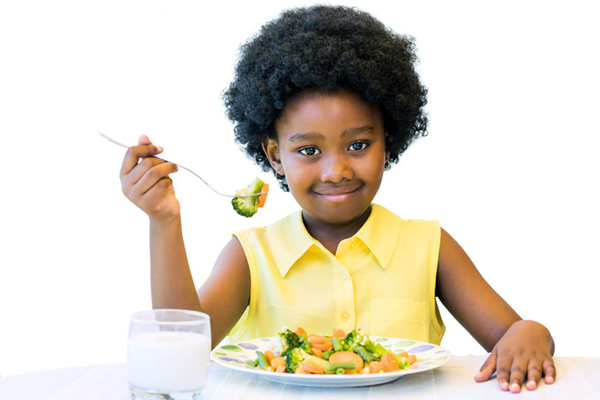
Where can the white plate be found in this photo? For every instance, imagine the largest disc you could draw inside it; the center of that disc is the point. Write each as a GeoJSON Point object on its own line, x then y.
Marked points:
{"type": "Point", "coordinates": [429, 356]}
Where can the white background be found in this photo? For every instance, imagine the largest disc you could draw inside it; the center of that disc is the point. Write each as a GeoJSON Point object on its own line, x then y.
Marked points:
{"type": "Point", "coordinates": [510, 166]}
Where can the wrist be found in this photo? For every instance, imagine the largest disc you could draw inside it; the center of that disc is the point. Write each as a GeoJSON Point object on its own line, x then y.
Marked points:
{"type": "Point", "coordinates": [165, 223]}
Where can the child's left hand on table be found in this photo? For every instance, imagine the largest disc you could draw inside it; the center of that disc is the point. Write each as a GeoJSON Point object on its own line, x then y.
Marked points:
{"type": "Point", "coordinates": [523, 354]}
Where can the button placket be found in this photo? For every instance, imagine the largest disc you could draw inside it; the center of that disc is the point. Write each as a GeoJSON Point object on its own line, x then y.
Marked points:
{"type": "Point", "coordinates": [345, 299]}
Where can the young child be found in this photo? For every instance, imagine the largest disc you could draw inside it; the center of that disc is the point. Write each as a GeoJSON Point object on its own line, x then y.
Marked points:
{"type": "Point", "coordinates": [328, 98]}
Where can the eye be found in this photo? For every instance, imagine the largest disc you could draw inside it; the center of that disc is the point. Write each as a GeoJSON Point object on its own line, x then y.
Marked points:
{"type": "Point", "coordinates": [357, 146]}
{"type": "Point", "coordinates": [309, 151]}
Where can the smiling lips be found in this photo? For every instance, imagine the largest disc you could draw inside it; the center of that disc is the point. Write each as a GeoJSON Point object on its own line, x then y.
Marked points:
{"type": "Point", "coordinates": [337, 193]}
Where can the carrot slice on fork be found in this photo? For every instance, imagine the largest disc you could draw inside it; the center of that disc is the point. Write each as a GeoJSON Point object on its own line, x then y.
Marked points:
{"type": "Point", "coordinates": [263, 195]}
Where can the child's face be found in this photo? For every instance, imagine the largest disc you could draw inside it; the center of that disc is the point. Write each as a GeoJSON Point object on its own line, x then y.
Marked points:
{"type": "Point", "coordinates": [331, 149]}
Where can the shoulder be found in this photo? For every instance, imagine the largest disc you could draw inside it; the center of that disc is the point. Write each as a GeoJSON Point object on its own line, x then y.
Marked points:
{"type": "Point", "coordinates": [282, 224]}
{"type": "Point", "coordinates": [282, 231]}
{"type": "Point", "coordinates": [383, 217]}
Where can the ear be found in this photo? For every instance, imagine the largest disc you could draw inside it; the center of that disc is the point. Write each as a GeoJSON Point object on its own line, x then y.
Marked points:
{"type": "Point", "coordinates": [271, 149]}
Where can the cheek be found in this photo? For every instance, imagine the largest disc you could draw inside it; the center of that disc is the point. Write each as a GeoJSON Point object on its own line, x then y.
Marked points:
{"type": "Point", "coordinates": [301, 176]}
{"type": "Point", "coordinates": [374, 166]}
{"type": "Point", "coordinates": [298, 174]}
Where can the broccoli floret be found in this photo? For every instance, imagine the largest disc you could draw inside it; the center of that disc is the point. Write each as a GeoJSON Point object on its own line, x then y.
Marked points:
{"type": "Point", "coordinates": [355, 339]}
{"type": "Point", "coordinates": [361, 344]}
{"type": "Point", "coordinates": [248, 206]}
{"type": "Point", "coordinates": [294, 358]}
{"type": "Point", "coordinates": [306, 346]}
{"type": "Point", "coordinates": [289, 341]}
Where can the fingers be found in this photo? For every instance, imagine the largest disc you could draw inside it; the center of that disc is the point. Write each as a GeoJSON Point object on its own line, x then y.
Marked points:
{"type": "Point", "coordinates": [487, 369]}
{"type": "Point", "coordinates": [144, 149]}
{"type": "Point", "coordinates": [523, 355]}
{"type": "Point", "coordinates": [144, 140]}
{"type": "Point", "coordinates": [141, 172]}
{"type": "Point", "coordinates": [549, 371]}
{"type": "Point", "coordinates": [147, 173]}
{"type": "Point", "coordinates": [512, 372]}
{"type": "Point", "coordinates": [534, 374]}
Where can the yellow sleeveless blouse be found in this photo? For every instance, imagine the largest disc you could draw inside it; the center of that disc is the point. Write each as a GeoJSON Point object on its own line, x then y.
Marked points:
{"type": "Point", "coordinates": [381, 280]}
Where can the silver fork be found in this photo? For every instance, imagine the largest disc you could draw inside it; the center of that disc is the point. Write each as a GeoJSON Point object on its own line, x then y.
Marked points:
{"type": "Point", "coordinates": [182, 167]}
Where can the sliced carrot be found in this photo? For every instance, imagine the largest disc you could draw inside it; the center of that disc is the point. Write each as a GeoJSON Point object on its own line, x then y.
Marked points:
{"type": "Point", "coordinates": [312, 368]}
{"type": "Point", "coordinates": [327, 345]}
{"type": "Point", "coordinates": [269, 356]}
{"type": "Point", "coordinates": [318, 339]}
{"type": "Point", "coordinates": [339, 333]}
{"type": "Point", "coordinates": [301, 370]}
{"type": "Point", "coordinates": [317, 352]}
{"type": "Point", "coordinates": [281, 368]}
{"type": "Point", "coordinates": [319, 342]}
{"type": "Point", "coordinates": [412, 359]}
{"type": "Point", "coordinates": [263, 195]}
{"type": "Point", "coordinates": [350, 372]}
{"type": "Point", "coordinates": [276, 362]}
{"type": "Point", "coordinates": [375, 367]}
{"type": "Point", "coordinates": [389, 362]}
{"type": "Point", "coordinates": [347, 356]}
{"type": "Point", "coordinates": [403, 354]}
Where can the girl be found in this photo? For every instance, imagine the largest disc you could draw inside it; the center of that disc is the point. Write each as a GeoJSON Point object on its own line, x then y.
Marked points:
{"type": "Point", "coordinates": [328, 98]}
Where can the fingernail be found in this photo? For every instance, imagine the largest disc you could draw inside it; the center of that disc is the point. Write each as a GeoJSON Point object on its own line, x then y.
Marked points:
{"type": "Point", "coordinates": [159, 149]}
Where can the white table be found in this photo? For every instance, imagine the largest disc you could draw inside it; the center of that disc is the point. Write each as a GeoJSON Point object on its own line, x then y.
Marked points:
{"type": "Point", "coordinates": [578, 378]}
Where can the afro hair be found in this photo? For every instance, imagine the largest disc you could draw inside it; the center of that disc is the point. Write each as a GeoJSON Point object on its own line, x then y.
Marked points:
{"type": "Point", "coordinates": [325, 48]}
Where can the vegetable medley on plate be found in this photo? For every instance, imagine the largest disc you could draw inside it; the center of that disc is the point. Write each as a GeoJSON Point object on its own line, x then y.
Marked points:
{"type": "Point", "coordinates": [339, 353]}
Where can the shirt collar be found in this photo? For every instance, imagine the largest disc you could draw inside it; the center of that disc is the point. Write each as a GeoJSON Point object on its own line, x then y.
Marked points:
{"type": "Point", "coordinates": [380, 234]}
{"type": "Point", "coordinates": [290, 239]}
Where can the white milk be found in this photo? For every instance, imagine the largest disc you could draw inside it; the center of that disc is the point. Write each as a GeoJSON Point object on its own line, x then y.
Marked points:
{"type": "Point", "coordinates": [168, 362]}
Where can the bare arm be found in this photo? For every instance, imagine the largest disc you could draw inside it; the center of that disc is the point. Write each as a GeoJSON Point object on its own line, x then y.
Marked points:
{"type": "Point", "coordinates": [469, 298]}
{"type": "Point", "coordinates": [225, 295]}
{"type": "Point", "coordinates": [171, 279]}
{"type": "Point", "coordinates": [145, 181]}
{"type": "Point", "coordinates": [520, 351]}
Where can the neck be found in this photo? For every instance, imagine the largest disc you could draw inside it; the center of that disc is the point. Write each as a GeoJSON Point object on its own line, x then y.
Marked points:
{"type": "Point", "coordinates": [330, 235]}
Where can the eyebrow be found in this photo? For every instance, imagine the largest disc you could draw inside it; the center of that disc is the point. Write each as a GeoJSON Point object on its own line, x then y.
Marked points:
{"type": "Point", "coordinates": [316, 136]}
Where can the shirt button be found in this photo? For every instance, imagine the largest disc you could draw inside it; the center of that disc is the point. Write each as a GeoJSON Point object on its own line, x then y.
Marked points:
{"type": "Point", "coordinates": [352, 246]}
{"type": "Point", "coordinates": [345, 316]}
{"type": "Point", "coordinates": [343, 277]}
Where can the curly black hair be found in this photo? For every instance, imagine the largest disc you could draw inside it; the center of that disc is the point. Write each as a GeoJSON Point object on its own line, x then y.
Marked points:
{"type": "Point", "coordinates": [325, 48]}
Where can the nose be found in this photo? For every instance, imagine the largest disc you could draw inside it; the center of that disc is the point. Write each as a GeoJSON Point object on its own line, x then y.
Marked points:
{"type": "Point", "coordinates": [336, 168]}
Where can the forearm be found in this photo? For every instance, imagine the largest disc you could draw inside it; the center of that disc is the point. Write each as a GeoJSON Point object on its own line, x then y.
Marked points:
{"type": "Point", "coordinates": [171, 278]}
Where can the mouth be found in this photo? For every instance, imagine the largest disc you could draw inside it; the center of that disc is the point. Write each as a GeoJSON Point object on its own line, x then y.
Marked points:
{"type": "Point", "coordinates": [338, 194]}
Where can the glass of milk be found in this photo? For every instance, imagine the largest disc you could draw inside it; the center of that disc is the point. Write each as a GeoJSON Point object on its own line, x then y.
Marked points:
{"type": "Point", "coordinates": [168, 354]}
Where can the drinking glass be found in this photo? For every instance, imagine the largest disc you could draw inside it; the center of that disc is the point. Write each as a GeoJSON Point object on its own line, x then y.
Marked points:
{"type": "Point", "coordinates": [168, 354]}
